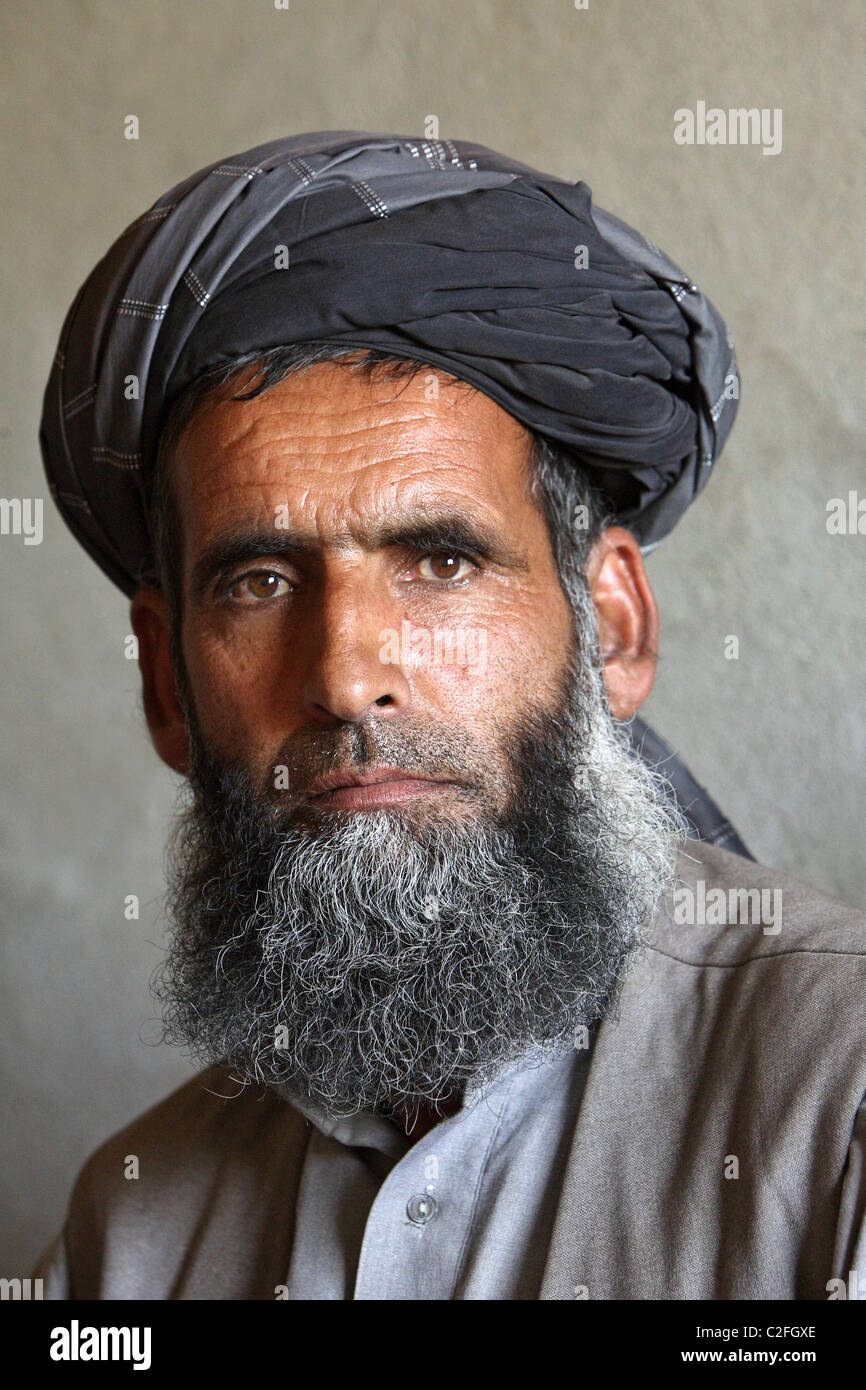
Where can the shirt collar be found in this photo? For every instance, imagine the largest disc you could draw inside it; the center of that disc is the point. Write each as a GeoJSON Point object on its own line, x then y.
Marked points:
{"type": "Point", "coordinates": [369, 1130]}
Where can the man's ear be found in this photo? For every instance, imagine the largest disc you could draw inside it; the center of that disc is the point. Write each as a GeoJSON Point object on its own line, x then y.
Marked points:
{"type": "Point", "coordinates": [151, 624]}
{"type": "Point", "coordinates": [628, 621]}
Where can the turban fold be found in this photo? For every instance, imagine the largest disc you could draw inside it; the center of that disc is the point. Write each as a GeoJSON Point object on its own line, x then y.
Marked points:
{"type": "Point", "coordinates": [442, 251]}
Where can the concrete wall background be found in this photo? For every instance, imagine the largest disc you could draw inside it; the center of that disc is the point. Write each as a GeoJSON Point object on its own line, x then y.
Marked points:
{"type": "Point", "coordinates": [778, 735]}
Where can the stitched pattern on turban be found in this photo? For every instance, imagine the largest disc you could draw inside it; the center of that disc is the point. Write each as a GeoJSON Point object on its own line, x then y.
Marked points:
{"type": "Point", "coordinates": [444, 251]}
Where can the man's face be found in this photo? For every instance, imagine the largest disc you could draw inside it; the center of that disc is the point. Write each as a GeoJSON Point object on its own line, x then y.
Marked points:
{"type": "Point", "coordinates": [417, 847]}
{"type": "Point", "coordinates": [363, 557]}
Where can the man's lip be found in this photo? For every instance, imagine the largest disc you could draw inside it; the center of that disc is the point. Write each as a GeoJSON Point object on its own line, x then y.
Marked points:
{"type": "Point", "coordinates": [346, 777]}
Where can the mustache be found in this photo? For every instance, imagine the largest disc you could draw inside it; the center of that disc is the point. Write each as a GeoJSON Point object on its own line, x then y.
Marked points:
{"type": "Point", "coordinates": [423, 750]}
{"type": "Point", "coordinates": [423, 757]}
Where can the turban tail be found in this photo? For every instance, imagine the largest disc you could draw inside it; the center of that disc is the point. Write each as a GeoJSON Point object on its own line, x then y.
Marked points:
{"type": "Point", "coordinates": [442, 251]}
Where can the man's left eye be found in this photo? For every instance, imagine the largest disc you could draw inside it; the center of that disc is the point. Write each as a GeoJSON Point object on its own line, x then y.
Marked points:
{"type": "Point", "coordinates": [261, 585]}
{"type": "Point", "coordinates": [446, 564]}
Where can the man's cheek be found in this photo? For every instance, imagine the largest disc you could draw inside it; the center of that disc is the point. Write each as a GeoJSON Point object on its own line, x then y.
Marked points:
{"type": "Point", "coordinates": [239, 692]}
{"type": "Point", "coordinates": [523, 663]}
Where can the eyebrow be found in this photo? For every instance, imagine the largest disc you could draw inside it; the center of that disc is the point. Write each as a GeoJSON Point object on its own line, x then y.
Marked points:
{"type": "Point", "coordinates": [428, 532]}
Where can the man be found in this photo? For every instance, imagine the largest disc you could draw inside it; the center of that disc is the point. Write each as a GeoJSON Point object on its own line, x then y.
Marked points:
{"type": "Point", "coordinates": [375, 433]}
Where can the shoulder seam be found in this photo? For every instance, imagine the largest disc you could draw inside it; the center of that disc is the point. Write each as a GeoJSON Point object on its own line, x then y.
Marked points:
{"type": "Point", "coordinates": [748, 960]}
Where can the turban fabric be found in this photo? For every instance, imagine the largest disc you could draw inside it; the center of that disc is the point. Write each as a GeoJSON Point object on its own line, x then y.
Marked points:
{"type": "Point", "coordinates": [442, 251]}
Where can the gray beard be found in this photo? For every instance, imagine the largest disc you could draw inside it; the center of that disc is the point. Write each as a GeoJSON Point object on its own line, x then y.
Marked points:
{"type": "Point", "coordinates": [380, 960]}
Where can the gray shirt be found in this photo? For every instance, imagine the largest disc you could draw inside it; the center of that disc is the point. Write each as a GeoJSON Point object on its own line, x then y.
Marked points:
{"type": "Point", "coordinates": [711, 1144]}
{"type": "Point", "coordinates": [465, 1212]}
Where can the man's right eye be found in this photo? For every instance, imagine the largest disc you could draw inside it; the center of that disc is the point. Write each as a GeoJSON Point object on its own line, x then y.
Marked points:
{"type": "Point", "coordinates": [259, 586]}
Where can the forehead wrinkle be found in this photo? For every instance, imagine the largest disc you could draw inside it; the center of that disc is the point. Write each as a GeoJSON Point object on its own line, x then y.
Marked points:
{"type": "Point", "coordinates": [353, 398]}
{"type": "Point", "coordinates": [282, 461]}
{"type": "Point", "coordinates": [438, 445]}
{"type": "Point", "coordinates": [301, 478]}
{"type": "Point", "coordinates": [291, 446]}
{"type": "Point", "coordinates": [275, 460]}
{"type": "Point", "coordinates": [295, 435]}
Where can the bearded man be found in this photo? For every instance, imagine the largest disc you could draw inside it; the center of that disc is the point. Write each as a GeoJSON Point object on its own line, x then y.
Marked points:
{"type": "Point", "coordinates": [375, 433]}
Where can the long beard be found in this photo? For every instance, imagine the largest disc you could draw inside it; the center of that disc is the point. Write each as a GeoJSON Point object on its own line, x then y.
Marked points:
{"type": "Point", "coordinates": [377, 960]}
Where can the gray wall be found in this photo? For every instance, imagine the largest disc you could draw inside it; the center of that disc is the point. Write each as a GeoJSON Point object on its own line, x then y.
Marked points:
{"type": "Point", "coordinates": [777, 735]}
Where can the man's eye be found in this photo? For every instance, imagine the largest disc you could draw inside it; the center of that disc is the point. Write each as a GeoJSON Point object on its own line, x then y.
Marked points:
{"type": "Point", "coordinates": [446, 564]}
{"type": "Point", "coordinates": [262, 585]}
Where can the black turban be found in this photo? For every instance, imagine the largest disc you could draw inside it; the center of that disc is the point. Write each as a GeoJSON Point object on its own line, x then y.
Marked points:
{"type": "Point", "coordinates": [443, 251]}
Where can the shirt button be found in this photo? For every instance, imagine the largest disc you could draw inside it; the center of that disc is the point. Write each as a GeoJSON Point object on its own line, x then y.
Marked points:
{"type": "Point", "coordinates": [421, 1208]}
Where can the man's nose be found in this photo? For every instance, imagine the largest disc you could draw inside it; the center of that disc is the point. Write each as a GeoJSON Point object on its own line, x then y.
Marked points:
{"type": "Point", "coordinates": [346, 677]}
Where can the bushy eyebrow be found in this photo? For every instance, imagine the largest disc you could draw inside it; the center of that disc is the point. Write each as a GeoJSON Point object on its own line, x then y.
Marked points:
{"type": "Point", "coordinates": [431, 531]}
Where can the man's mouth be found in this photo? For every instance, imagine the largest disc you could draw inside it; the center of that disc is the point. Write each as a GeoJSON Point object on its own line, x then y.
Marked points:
{"type": "Point", "coordinates": [348, 790]}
